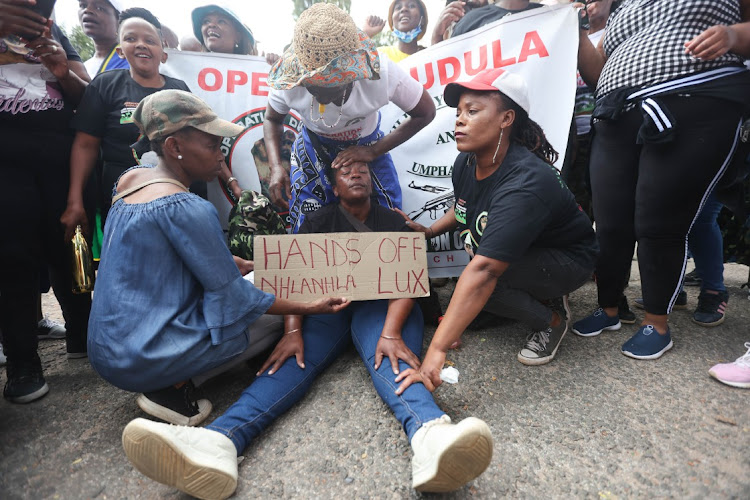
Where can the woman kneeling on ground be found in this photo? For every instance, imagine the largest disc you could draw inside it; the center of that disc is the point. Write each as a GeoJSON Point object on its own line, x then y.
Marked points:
{"type": "Point", "coordinates": [170, 302]}
{"type": "Point", "coordinates": [530, 243]}
{"type": "Point", "coordinates": [386, 333]}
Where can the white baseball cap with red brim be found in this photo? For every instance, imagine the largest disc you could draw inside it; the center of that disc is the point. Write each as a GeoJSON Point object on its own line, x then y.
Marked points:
{"type": "Point", "coordinates": [496, 79]}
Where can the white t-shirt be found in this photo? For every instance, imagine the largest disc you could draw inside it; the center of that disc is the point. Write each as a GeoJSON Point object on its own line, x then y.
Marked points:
{"type": "Point", "coordinates": [93, 65]}
{"type": "Point", "coordinates": [359, 114]}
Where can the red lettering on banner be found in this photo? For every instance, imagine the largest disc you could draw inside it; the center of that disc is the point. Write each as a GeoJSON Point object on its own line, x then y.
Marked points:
{"type": "Point", "coordinates": [449, 257]}
{"type": "Point", "coordinates": [235, 79]}
{"type": "Point", "coordinates": [430, 76]}
{"type": "Point", "coordinates": [291, 253]}
{"type": "Point", "coordinates": [259, 80]}
{"type": "Point", "coordinates": [415, 245]}
{"type": "Point", "coordinates": [532, 45]}
{"type": "Point", "coordinates": [335, 245]}
{"type": "Point", "coordinates": [443, 65]}
{"type": "Point", "coordinates": [353, 250]}
{"type": "Point", "coordinates": [497, 56]}
{"type": "Point", "coordinates": [380, 279]}
{"type": "Point", "coordinates": [267, 253]}
{"type": "Point", "coordinates": [470, 69]}
{"type": "Point", "coordinates": [218, 79]}
{"type": "Point", "coordinates": [323, 249]}
{"type": "Point", "coordinates": [380, 250]}
{"type": "Point", "coordinates": [418, 281]}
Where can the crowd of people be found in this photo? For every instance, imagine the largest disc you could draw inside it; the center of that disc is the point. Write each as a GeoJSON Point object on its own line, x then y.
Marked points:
{"type": "Point", "coordinates": [114, 146]}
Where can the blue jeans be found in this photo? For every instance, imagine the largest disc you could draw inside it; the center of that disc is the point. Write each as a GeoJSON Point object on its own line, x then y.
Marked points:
{"type": "Point", "coordinates": [707, 247]}
{"type": "Point", "coordinates": [326, 336]}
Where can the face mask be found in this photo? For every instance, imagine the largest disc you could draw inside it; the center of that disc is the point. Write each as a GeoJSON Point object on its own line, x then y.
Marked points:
{"type": "Point", "coordinates": [409, 36]}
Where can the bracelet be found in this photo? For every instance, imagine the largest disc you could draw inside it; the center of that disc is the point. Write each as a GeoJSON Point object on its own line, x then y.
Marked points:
{"type": "Point", "coordinates": [389, 338]}
{"type": "Point", "coordinates": [231, 180]}
{"type": "Point", "coordinates": [292, 331]}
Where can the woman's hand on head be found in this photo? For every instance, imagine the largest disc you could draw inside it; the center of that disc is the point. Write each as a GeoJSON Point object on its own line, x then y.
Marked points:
{"type": "Point", "coordinates": [329, 305]}
{"type": "Point", "coordinates": [428, 373]}
{"type": "Point", "coordinates": [392, 346]}
{"type": "Point", "coordinates": [17, 18]}
{"type": "Point", "coordinates": [712, 43]}
{"type": "Point", "coordinates": [291, 344]}
{"type": "Point", "coordinates": [354, 154]}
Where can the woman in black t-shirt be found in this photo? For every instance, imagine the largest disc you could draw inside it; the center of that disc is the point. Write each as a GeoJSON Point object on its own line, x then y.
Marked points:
{"type": "Point", "coordinates": [104, 117]}
{"type": "Point", "coordinates": [530, 243]}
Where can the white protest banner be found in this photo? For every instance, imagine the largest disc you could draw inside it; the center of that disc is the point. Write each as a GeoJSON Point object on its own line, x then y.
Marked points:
{"type": "Point", "coordinates": [235, 87]}
{"type": "Point", "coordinates": [360, 266]}
{"type": "Point", "coordinates": [540, 44]}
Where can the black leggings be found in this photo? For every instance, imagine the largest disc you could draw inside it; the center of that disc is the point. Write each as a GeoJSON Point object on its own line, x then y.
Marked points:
{"type": "Point", "coordinates": [652, 193]}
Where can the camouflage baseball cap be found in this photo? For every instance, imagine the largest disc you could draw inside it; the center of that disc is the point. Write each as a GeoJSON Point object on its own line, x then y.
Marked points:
{"type": "Point", "coordinates": [167, 111]}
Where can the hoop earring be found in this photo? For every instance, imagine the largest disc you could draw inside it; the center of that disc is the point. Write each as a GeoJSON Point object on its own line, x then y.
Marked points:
{"type": "Point", "coordinates": [498, 145]}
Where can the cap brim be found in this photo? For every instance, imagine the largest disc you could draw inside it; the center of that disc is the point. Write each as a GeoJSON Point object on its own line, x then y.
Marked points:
{"type": "Point", "coordinates": [453, 91]}
{"type": "Point", "coordinates": [220, 128]}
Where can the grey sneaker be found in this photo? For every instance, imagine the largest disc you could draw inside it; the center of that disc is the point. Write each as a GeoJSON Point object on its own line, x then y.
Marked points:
{"type": "Point", "coordinates": [48, 329]}
{"type": "Point", "coordinates": [540, 347]}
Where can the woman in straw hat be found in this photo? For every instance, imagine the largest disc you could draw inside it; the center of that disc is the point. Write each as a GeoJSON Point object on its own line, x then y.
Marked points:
{"type": "Point", "coordinates": [165, 256]}
{"type": "Point", "coordinates": [529, 242]}
{"type": "Point", "coordinates": [332, 76]}
{"type": "Point", "coordinates": [408, 22]}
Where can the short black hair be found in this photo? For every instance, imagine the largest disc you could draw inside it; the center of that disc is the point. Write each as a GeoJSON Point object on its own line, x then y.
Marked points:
{"type": "Point", "coordinates": [140, 13]}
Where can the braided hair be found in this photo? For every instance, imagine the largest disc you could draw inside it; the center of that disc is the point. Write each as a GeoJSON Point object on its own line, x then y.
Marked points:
{"type": "Point", "coordinates": [528, 133]}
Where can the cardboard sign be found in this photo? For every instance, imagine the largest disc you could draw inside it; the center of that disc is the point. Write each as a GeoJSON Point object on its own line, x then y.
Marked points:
{"type": "Point", "coordinates": [360, 266]}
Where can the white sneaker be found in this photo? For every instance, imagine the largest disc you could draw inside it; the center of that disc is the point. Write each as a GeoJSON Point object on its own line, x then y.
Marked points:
{"type": "Point", "coordinates": [200, 462]}
{"type": "Point", "coordinates": [447, 456]}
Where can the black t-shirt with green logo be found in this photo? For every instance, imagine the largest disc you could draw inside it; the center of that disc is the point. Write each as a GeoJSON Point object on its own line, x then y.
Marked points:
{"type": "Point", "coordinates": [106, 111]}
{"type": "Point", "coordinates": [523, 204]}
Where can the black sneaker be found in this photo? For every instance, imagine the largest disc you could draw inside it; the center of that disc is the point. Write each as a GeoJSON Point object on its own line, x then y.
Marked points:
{"type": "Point", "coordinates": [626, 315]}
{"type": "Point", "coordinates": [692, 278]}
{"type": "Point", "coordinates": [681, 302]}
{"type": "Point", "coordinates": [540, 347]}
{"type": "Point", "coordinates": [176, 406]}
{"type": "Point", "coordinates": [25, 381]}
{"type": "Point", "coordinates": [711, 308]}
{"type": "Point", "coordinates": [48, 329]}
{"type": "Point", "coordinates": [76, 347]}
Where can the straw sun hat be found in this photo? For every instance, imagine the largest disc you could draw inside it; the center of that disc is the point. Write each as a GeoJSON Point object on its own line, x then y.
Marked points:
{"type": "Point", "coordinates": [328, 50]}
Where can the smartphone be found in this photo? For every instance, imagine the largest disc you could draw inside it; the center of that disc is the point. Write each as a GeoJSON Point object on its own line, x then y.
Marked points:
{"type": "Point", "coordinates": [583, 20]}
{"type": "Point", "coordinates": [44, 7]}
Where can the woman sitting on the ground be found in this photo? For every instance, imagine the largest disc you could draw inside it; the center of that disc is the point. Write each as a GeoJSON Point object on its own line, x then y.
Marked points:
{"type": "Point", "coordinates": [334, 79]}
{"type": "Point", "coordinates": [170, 302]}
{"type": "Point", "coordinates": [530, 243]}
{"type": "Point", "coordinates": [387, 335]}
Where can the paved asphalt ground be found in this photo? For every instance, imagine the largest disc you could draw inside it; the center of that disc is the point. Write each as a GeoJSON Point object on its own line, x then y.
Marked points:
{"type": "Point", "coordinates": [592, 424]}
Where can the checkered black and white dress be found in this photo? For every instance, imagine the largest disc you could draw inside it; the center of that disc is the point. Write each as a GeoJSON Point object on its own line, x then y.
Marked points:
{"type": "Point", "coordinates": [645, 41]}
